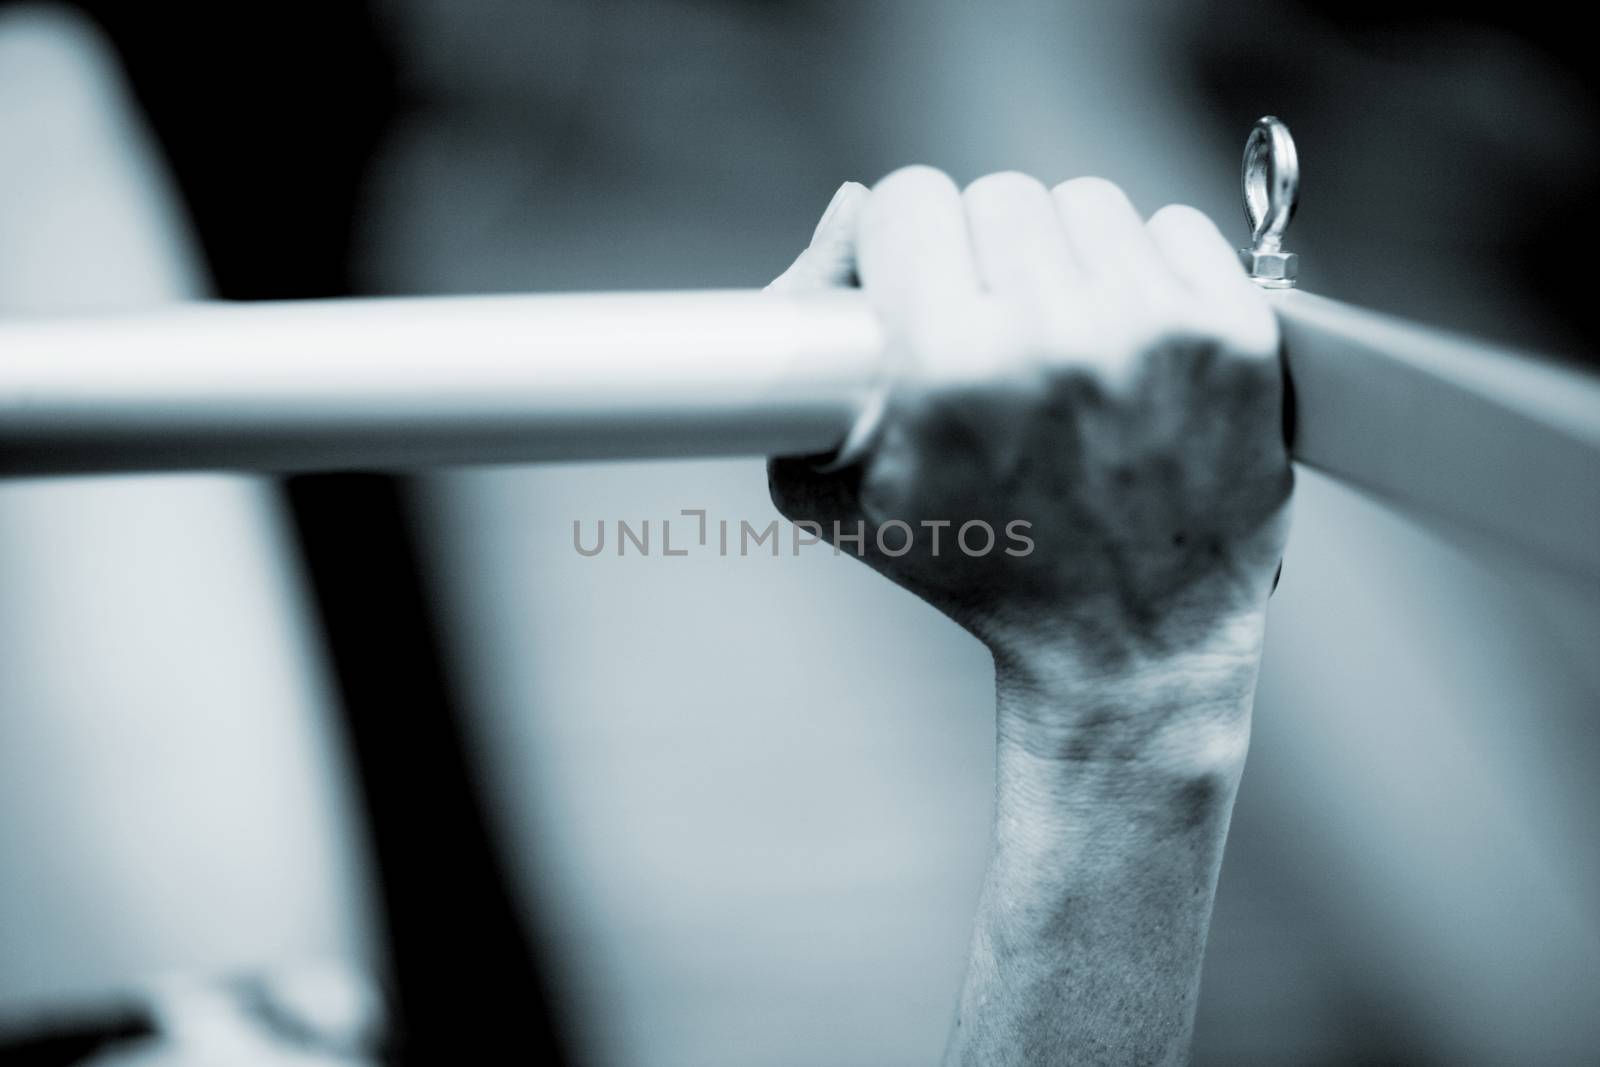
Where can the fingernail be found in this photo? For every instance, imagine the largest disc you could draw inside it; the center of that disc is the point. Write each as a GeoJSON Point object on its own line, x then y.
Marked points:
{"type": "Point", "coordinates": [839, 197]}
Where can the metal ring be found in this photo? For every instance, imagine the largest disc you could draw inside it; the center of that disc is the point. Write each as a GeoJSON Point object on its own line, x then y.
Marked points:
{"type": "Point", "coordinates": [1271, 177]}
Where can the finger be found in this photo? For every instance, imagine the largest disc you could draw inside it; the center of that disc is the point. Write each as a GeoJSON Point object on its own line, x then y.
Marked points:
{"type": "Point", "coordinates": [801, 492]}
{"type": "Point", "coordinates": [1197, 253]}
{"type": "Point", "coordinates": [913, 252]}
{"type": "Point", "coordinates": [829, 262]}
{"type": "Point", "coordinates": [1018, 242]}
{"type": "Point", "coordinates": [1204, 262]}
{"type": "Point", "coordinates": [1106, 234]}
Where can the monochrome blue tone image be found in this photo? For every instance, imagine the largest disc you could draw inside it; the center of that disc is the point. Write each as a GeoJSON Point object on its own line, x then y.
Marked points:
{"type": "Point", "coordinates": [772, 533]}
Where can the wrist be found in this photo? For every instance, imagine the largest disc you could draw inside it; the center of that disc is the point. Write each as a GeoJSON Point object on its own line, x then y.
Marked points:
{"type": "Point", "coordinates": [1092, 641]}
{"type": "Point", "coordinates": [1077, 704]}
{"type": "Point", "coordinates": [1118, 758]}
{"type": "Point", "coordinates": [1107, 822]}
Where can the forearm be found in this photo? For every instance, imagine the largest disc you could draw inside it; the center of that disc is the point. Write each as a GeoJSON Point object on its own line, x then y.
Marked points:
{"type": "Point", "coordinates": [1117, 384]}
{"type": "Point", "coordinates": [1108, 840]}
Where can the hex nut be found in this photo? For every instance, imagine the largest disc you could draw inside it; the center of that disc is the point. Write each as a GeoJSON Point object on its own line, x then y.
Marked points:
{"type": "Point", "coordinates": [1270, 270]}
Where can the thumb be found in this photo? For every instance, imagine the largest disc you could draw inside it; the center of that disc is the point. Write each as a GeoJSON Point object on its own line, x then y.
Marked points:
{"type": "Point", "coordinates": [829, 262]}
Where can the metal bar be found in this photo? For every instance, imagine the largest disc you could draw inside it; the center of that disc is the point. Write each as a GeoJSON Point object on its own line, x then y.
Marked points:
{"type": "Point", "coordinates": [404, 383]}
{"type": "Point", "coordinates": [1502, 443]}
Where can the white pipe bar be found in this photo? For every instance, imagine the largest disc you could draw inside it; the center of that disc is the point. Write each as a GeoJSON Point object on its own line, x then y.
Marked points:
{"type": "Point", "coordinates": [394, 383]}
{"type": "Point", "coordinates": [1501, 443]}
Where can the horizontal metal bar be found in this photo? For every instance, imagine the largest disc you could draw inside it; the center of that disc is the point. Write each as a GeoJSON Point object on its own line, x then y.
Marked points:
{"type": "Point", "coordinates": [1499, 442]}
{"type": "Point", "coordinates": [395, 383]}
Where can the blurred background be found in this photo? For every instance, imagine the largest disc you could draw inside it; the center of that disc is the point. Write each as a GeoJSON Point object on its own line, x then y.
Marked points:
{"type": "Point", "coordinates": [356, 768]}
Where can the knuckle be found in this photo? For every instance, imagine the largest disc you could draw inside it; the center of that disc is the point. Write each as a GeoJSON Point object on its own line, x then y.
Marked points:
{"type": "Point", "coordinates": [1182, 218]}
{"type": "Point", "coordinates": [953, 351]}
{"type": "Point", "coordinates": [1060, 333]}
{"type": "Point", "coordinates": [1003, 185]}
{"type": "Point", "coordinates": [971, 359]}
{"type": "Point", "coordinates": [1245, 331]}
{"type": "Point", "coordinates": [1091, 190]}
{"type": "Point", "coordinates": [918, 177]}
{"type": "Point", "coordinates": [1090, 383]}
{"type": "Point", "coordinates": [1255, 332]}
{"type": "Point", "coordinates": [1172, 311]}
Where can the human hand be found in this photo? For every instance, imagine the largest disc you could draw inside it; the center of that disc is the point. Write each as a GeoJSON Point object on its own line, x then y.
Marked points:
{"type": "Point", "coordinates": [1112, 384]}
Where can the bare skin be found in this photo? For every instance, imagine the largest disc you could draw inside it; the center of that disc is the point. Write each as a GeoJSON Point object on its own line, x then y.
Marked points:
{"type": "Point", "coordinates": [1114, 383]}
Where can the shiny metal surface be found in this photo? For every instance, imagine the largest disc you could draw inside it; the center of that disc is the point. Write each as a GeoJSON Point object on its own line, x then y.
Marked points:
{"type": "Point", "coordinates": [1270, 175]}
{"type": "Point", "coordinates": [1496, 441]}
{"type": "Point", "coordinates": [435, 381]}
